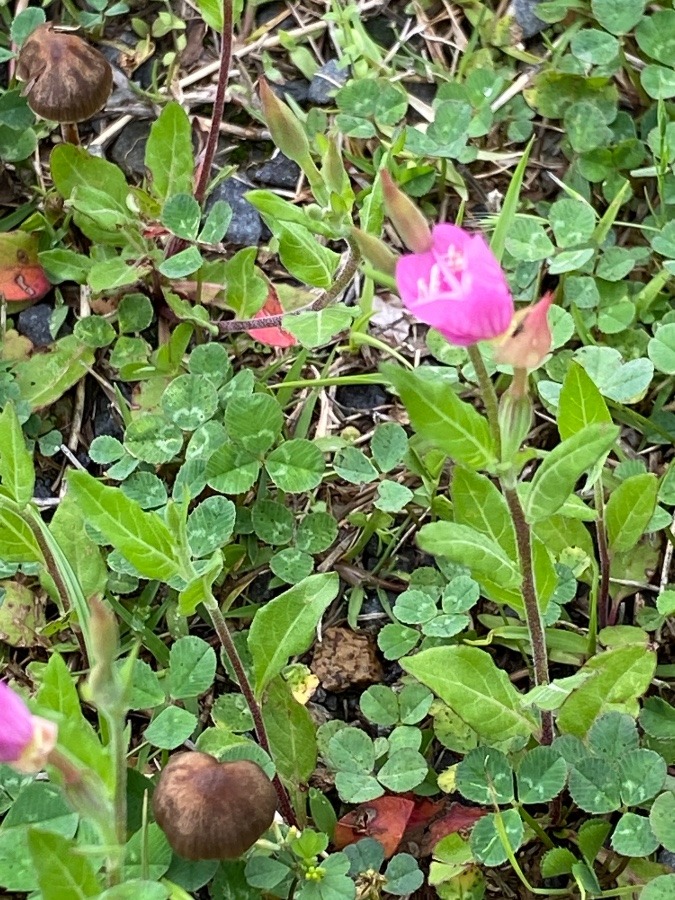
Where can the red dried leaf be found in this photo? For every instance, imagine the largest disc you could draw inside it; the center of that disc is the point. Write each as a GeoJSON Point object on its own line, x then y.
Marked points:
{"type": "Point", "coordinates": [384, 819]}
{"type": "Point", "coordinates": [22, 278]}
{"type": "Point", "coordinates": [458, 818]}
{"type": "Point", "coordinates": [273, 337]}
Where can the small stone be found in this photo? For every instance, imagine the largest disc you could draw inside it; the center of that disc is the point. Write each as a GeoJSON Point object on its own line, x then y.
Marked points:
{"type": "Point", "coordinates": [279, 172]}
{"type": "Point", "coordinates": [361, 396]}
{"type": "Point", "coordinates": [33, 323]}
{"type": "Point", "coordinates": [128, 151]}
{"type": "Point", "coordinates": [327, 80]}
{"type": "Point", "coordinates": [524, 13]}
{"type": "Point", "coordinates": [666, 858]}
{"type": "Point", "coordinates": [297, 89]}
{"type": "Point", "coordinates": [105, 423]}
{"type": "Point", "coordinates": [246, 226]}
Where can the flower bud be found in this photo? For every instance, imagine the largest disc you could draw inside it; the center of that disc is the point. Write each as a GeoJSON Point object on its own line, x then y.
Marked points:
{"type": "Point", "coordinates": [375, 251]}
{"type": "Point", "coordinates": [515, 416]}
{"type": "Point", "coordinates": [213, 810]}
{"type": "Point", "coordinates": [287, 133]}
{"type": "Point", "coordinates": [406, 218]}
{"type": "Point", "coordinates": [25, 740]}
{"type": "Point", "coordinates": [528, 341]}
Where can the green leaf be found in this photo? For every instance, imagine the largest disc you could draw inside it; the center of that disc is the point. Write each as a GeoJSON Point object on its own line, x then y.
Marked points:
{"type": "Point", "coordinates": [232, 470]}
{"type": "Point", "coordinates": [291, 733]}
{"type": "Point", "coordinates": [486, 843]}
{"type": "Point", "coordinates": [613, 736]}
{"type": "Point", "coordinates": [468, 680]}
{"type": "Point", "coordinates": [314, 328]}
{"type": "Point", "coordinates": [662, 819]}
{"type": "Point", "coordinates": [595, 785]}
{"type": "Point", "coordinates": [62, 872]}
{"type": "Point", "coordinates": [557, 475]}
{"type": "Point", "coordinates": [17, 541]}
{"type": "Point", "coordinates": [618, 16]}
{"type": "Point", "coordinates": [485, 776]}
{"type": "Point", "coordinates": [658, 718]}
{"type": "Point", "coordinates": [403, 875]}
{"type": "Point", "coordinates": [488, 563]}
{"type": "Point", "coordinates": [217, 222]}
{"type": "Point", "coordinates": [480, 505]}
{"type": "Point", "coordinates": [379, 704]}
{"type": "Point", "coordinates": [94, 331]}
{"type": "Point", "coordinates": [132, 890]}
{"type": "Point", "coordinates": [152, 439]}
{"type": "Point", "coordinates": [440, 416]}
{"type": "Point", "coordinates": [643, 775]}
{"type": "Point", "coordinates": [661, 348]}
{"type": "Point", "coordinates": [660, 888]}
{"type": "Point", "coordinates": [272, 522]}
{"type": "Point", "coordinates": [542, 774]}
{"type": "Point", "coordinates": [404, 770]}
{"type": "Point", "coordinates": [353, 466]}
{"type": "Point", "coordinates": [142, 537]}
{"type": "Point", "coordinates": [182, 264]}
{"type": "Point", "coordinates": [296, 466]}
{"type": "Point", "coordinates": [16, 462]}
{"type": "Point", "coordinates": [170, 728]}
{"type": "Point", "coordinates": [619, 676]}
{"type": "Point", "coordinates": [592, 836]}
{"type": "Point", "coordinates": [168, 152]}
{"type": "Point", "coordinates": [192, 667]}
{"type": "Point", "coordinates": [558, 861]}
{"type": "Point", "coordinates": [304, 256]}
{"type": "Point", "coordinates": [285, 626]}
{"type": "Point", "coordinates": [210, 525]}
{"type": "Point", "coordinates": [388, 444]}
{"type": "Point", "coordinates": [74, 167]}
{"type": "Point", "coordinates": [181, 215]}
{"type": "Point", "coordinates": [580, 403]}
{"type": "Point", "coordinates": [83, 554]}
{"type": "Point", "coordinates": [189, 401]}
{"type": "Point", "coordinates": [629, 510]}
{"type": "Point", "coordinates": [254, 421]}
{"type": "Point", "coordinates": [45, 377]}
{"type": "Point", "coordinates": [246, 289]}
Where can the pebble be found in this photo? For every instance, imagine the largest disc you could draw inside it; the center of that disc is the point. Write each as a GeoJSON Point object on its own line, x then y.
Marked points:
{"type": "Point", "coordinates": [529, 22]}
{"type": "Point", "coordinates": [280, 172]}
{"type": "Point", "coordinates": [328, 78]}
{"type": "Point", "coordinates": [246, 226]}
{"type": "Point", "coordinates": [361, 396]}
{"type": "Point", "coordinates": [666, 858]}
{"type": "Point", "coordinates": [33, 323]}
{"type": "Point", "coordinates": [105, 422]}
{"type": "Point", "coordinates": [297, 89]}
{"type": "Point", "coordinates": [128, 151]}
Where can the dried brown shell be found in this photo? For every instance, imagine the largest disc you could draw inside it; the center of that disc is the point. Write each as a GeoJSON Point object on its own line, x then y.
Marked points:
{"type": "Point", "coordinates": [212, 810]}
{"type": "Point", "coordinates": [67, 80]}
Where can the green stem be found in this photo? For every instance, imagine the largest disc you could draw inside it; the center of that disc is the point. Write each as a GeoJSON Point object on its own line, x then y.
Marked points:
{"type": "Point", "coordinates": [489, 396]}
{"type": "Point", "coordinates": [603, 558]}
{"type": "Point", "coordinates": [228, 645]}
{"type": "Point", "coordinates": [535, 626]}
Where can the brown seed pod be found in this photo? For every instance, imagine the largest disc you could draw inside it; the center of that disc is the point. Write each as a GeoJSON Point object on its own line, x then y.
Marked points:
{"type": "Point", "coordinates": [212, 810]}
{"type": "Point", "coordinates": [66, 79]}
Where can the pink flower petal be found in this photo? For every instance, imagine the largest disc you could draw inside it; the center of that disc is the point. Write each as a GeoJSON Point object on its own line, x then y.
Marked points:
{"type": "Point", "coordinates": [458, 287]}
{"type": "Point", "coordinates": [16, 725]}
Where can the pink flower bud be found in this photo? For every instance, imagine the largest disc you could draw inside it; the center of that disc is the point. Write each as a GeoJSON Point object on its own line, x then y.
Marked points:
{"type": "Point", "coordinates": [406, 218]}
{"type": "Point", "coordinates": [25, 740]}
{"type": "Point", "coordinates": [457, 287]}
{"type": "Point", "coordinates": [529, 339]}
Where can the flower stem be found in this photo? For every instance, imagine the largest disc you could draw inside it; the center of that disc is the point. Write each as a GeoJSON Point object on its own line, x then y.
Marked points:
{"type": "Point", "coordinates": [532, 615]}
{"type": "Point", "coordinates": [228, 645]}
{"type": "Point", "coordinates": [489, 395]}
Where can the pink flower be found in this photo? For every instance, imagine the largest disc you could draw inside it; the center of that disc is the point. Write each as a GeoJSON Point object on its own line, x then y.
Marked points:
{"type": "Point", "coordinates": [457, 287]}
{"type": "Point", "coordinates": [25, 740]}
{"type": "Point", "coordinates": [529, 339]}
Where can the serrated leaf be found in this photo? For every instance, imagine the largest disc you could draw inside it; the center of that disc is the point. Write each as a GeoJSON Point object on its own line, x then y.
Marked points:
{"type": "Point", "coordinates": [595, 786]}
{"type": "Point", "coordinates": [485, 776]}
{"type": "Point", "coordinates": [633, 836]}
{"type": "Point", "coordinates": [662, 819]}
{"type": "Point", "coordinates": [541, 775]}
{"type": "Point", "coordinates": [486, 842]}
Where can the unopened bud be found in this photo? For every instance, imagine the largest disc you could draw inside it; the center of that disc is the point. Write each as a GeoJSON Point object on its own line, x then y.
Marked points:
{"type": "Point", "coordinates": [104, 685]}
{"type": "Point", "coordinates": [528, 340]}
{"type": "Point", "coordinates": [515, 416]}
{"type": "Point", "coordinates": [406, 218]}
{"type": "Point", "coordinates": [287, 133]}
{"type": "Point", "coordinates": [375, 251]}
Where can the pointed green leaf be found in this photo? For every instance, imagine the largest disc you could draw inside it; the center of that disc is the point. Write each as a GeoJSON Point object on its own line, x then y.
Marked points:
{"type": "Point", "coordinates": [16, 462]}
{"type": "Point", "coordinates": [629, 510]}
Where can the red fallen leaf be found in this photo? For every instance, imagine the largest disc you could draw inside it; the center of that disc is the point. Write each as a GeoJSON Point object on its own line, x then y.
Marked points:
{"type": "Point", "coordinates": [458, 818]}
{"type": "Point", "coordinates": [383, 819]}
{"type": "Point", "coordinates": [274, 337]}
{"type": "Point", "coordinates": [425, 809]}
{"type": "Point", "coordinates": [22, 278]}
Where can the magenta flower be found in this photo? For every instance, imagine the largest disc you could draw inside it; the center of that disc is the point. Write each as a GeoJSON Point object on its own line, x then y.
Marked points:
{"type": "Point", "coordinates": [25, 740]}
{"type": "Point", "coordinates": [457, 287]}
